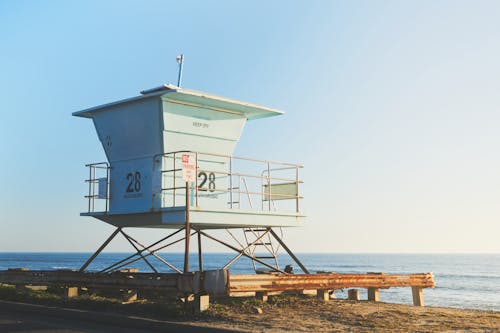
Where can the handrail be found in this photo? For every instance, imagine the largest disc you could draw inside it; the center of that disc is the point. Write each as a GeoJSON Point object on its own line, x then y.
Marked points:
{"type": "Point", "coordinates": [274, 183]}
{"type": "Point", "coordinates": [229, 156]}
{"type": "Point", "coordinates": [92, 181]}
{"type": "Point", "coordinates": [222, 172]}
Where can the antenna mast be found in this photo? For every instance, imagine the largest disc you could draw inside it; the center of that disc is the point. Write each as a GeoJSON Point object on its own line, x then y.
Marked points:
{"type": "Point", "coordinates": [180, 61]}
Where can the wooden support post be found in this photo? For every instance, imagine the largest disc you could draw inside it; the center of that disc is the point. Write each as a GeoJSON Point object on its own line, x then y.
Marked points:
{"type": "Point", "coordinates": [201, 303]}
{"type": "Point", "coordinates": [353, 295]}
{"type": "Point", "coordinates": [71, 292]}
{"type": "Point", "coordinates": [418, 296]}
{"type": "Point", "coordinates": [373, 294]}
{"type": "Point", "coordinates": [262, 296]}
{"type": "Point", "coordinates": [323, 295]}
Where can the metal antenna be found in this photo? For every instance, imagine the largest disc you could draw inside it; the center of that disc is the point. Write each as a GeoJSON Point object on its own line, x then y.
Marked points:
{"type": "Point", "coordinates": [180, 61]}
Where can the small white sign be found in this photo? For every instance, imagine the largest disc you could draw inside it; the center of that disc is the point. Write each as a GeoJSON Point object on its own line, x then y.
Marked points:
{"type": "Point", "coordinates": [189, 167]}
{"type": "Point", "coordinates": [102, 188]}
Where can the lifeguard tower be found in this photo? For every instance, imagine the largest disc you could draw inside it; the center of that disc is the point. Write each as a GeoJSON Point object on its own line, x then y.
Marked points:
{"type": "Point", "coordinates": [170, 166]}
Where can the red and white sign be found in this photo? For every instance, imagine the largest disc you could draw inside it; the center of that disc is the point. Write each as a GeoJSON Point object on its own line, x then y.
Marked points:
{"type": "Point", "coordinates": [189, 167]}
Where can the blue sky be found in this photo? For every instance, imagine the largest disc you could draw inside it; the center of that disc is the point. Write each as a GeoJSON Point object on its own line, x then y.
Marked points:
{"type": "Point", "coordinates": [392, 106]}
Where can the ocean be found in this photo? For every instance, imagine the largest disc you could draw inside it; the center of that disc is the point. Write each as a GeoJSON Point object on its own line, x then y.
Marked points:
{"type": "Point", "coordinates": [462, 280]}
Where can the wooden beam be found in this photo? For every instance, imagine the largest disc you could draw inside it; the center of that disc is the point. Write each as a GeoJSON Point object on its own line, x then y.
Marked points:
{"type": "Point", "coordinates": [331, 281]}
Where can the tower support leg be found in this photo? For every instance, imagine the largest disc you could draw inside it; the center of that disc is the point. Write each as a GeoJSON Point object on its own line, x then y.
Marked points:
{"type": "Point", "coordinates": [290, 253]}
{"type": "Point", "coordinates": [110, 238]}
{"type": "Point", "coordinates": [188, 232]}
{"type": "Point", "coordinates": [200, 257]}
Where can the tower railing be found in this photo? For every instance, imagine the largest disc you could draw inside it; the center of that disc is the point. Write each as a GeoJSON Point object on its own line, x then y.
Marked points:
{"type": "Point", "coordinates": [220, 182]}
{"type": "Point", "coordinates": [275, 186]}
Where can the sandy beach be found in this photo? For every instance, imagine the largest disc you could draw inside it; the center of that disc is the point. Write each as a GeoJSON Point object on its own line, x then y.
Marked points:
{"type": "Point", "coordinates": [284, 313]}
{"type": "Point", "coordinates": [295, 314]}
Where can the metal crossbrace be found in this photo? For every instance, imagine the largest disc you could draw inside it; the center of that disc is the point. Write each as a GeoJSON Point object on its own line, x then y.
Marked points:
{"type": "Point", "coordinates": [139, 253]}
{"type": "Point", "coordinates": [243, 253]}
{"type": "Point", "coordinates": [112, 268]}
{"type": "Point", "coordinates": [117, 265]}
{"type": "Point", "coordinates": [151, 250]}
{"type": "Point", "coordinates": [152, 253]}
{"type": "Point", "coordinates": [236, 239]}
{"type": "Point", "coordinates": [244, 250]}
{"type": "Point", "coordinates": [126, 261]}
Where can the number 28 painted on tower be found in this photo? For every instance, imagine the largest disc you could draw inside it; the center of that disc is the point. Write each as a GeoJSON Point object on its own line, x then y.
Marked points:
{"type": "Point", "coordinates": [134, 182]}
{"type": "Point", "coordinates": [204, 178]}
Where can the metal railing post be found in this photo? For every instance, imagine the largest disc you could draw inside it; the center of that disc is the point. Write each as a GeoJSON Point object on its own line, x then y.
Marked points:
{"type": "Point", "coordinates": [297, 185]}
{"type": "Point", "coordinates": [107, 187]}
{"type": "Point", "coordinates": [90, 185]}
{"type": "Point", "coordinates": [196, 181]}
{"type": "Point", "coordinates": [231, 182]}
{"type": "Point", "coordinates": [269, 184]}
{"type": "Point", "coordinates": [93, 189]}
{"type": "Point", "coordinates": [175, 176]}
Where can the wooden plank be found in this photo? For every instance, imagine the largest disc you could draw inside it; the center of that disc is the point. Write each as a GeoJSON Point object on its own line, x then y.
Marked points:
{"type": "Point", "coordinates": [222, 283]}
{"type": "Point", "coordinates": [331, 281]}
{"type": "Point", "coordinates": [69, 278]}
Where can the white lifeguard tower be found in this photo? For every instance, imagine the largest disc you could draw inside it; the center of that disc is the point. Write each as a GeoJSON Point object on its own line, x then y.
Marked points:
{"type": "Point", "coordinates": [170, 165]}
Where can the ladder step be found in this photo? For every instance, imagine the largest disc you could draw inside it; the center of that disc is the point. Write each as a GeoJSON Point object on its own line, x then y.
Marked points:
{"type": "Point", "coordinates": [263, 243]}
{"type": "Point", "coordinates": [256, 230]}
{"type": "Point", "coordinates": [265, 257]}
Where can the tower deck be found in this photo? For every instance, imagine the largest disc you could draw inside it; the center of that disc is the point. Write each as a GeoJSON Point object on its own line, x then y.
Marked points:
{"type": "Point", "coordinates": [227, 192]}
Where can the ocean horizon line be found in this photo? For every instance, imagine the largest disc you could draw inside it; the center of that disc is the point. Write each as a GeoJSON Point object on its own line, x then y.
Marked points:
{"type": "Point", "coordinates": [297, 252]}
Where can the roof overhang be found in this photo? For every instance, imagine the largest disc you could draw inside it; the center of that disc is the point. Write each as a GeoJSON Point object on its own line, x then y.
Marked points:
{"type": "Point", "coordinates": [194, 98]}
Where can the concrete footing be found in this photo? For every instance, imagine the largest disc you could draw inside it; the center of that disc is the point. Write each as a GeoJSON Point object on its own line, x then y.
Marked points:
{"type": "Point", "coordinates": [262, 296]}
{"type": "Point", "coordinates": [201, 303]}
{"type": "Point", "coordinates": [323, 294]}
{"type": "Point", "coordinates": [71, 292]}
{"type": "Point", "coordinates": [353, 295]}
{"type": "Point", "coordinates": [373, 294]}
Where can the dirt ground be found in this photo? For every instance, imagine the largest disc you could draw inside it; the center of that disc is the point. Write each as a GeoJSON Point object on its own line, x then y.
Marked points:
{"type": "Point", "coordinates": [295, 314]}
{"type": "Point", "coordinates": [283, 313]}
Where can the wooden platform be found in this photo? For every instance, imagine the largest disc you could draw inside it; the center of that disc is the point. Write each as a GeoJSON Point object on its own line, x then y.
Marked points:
{"type": "Point", "coordinates": [222, 283]}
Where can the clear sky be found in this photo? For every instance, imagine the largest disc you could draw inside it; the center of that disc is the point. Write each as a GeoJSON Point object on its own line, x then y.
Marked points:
{"type": "Point", "coordinates": [392, 106]}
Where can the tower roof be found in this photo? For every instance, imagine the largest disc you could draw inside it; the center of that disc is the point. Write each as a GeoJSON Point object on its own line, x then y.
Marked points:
{"type": "Point", "coordinates": [194, 98]}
